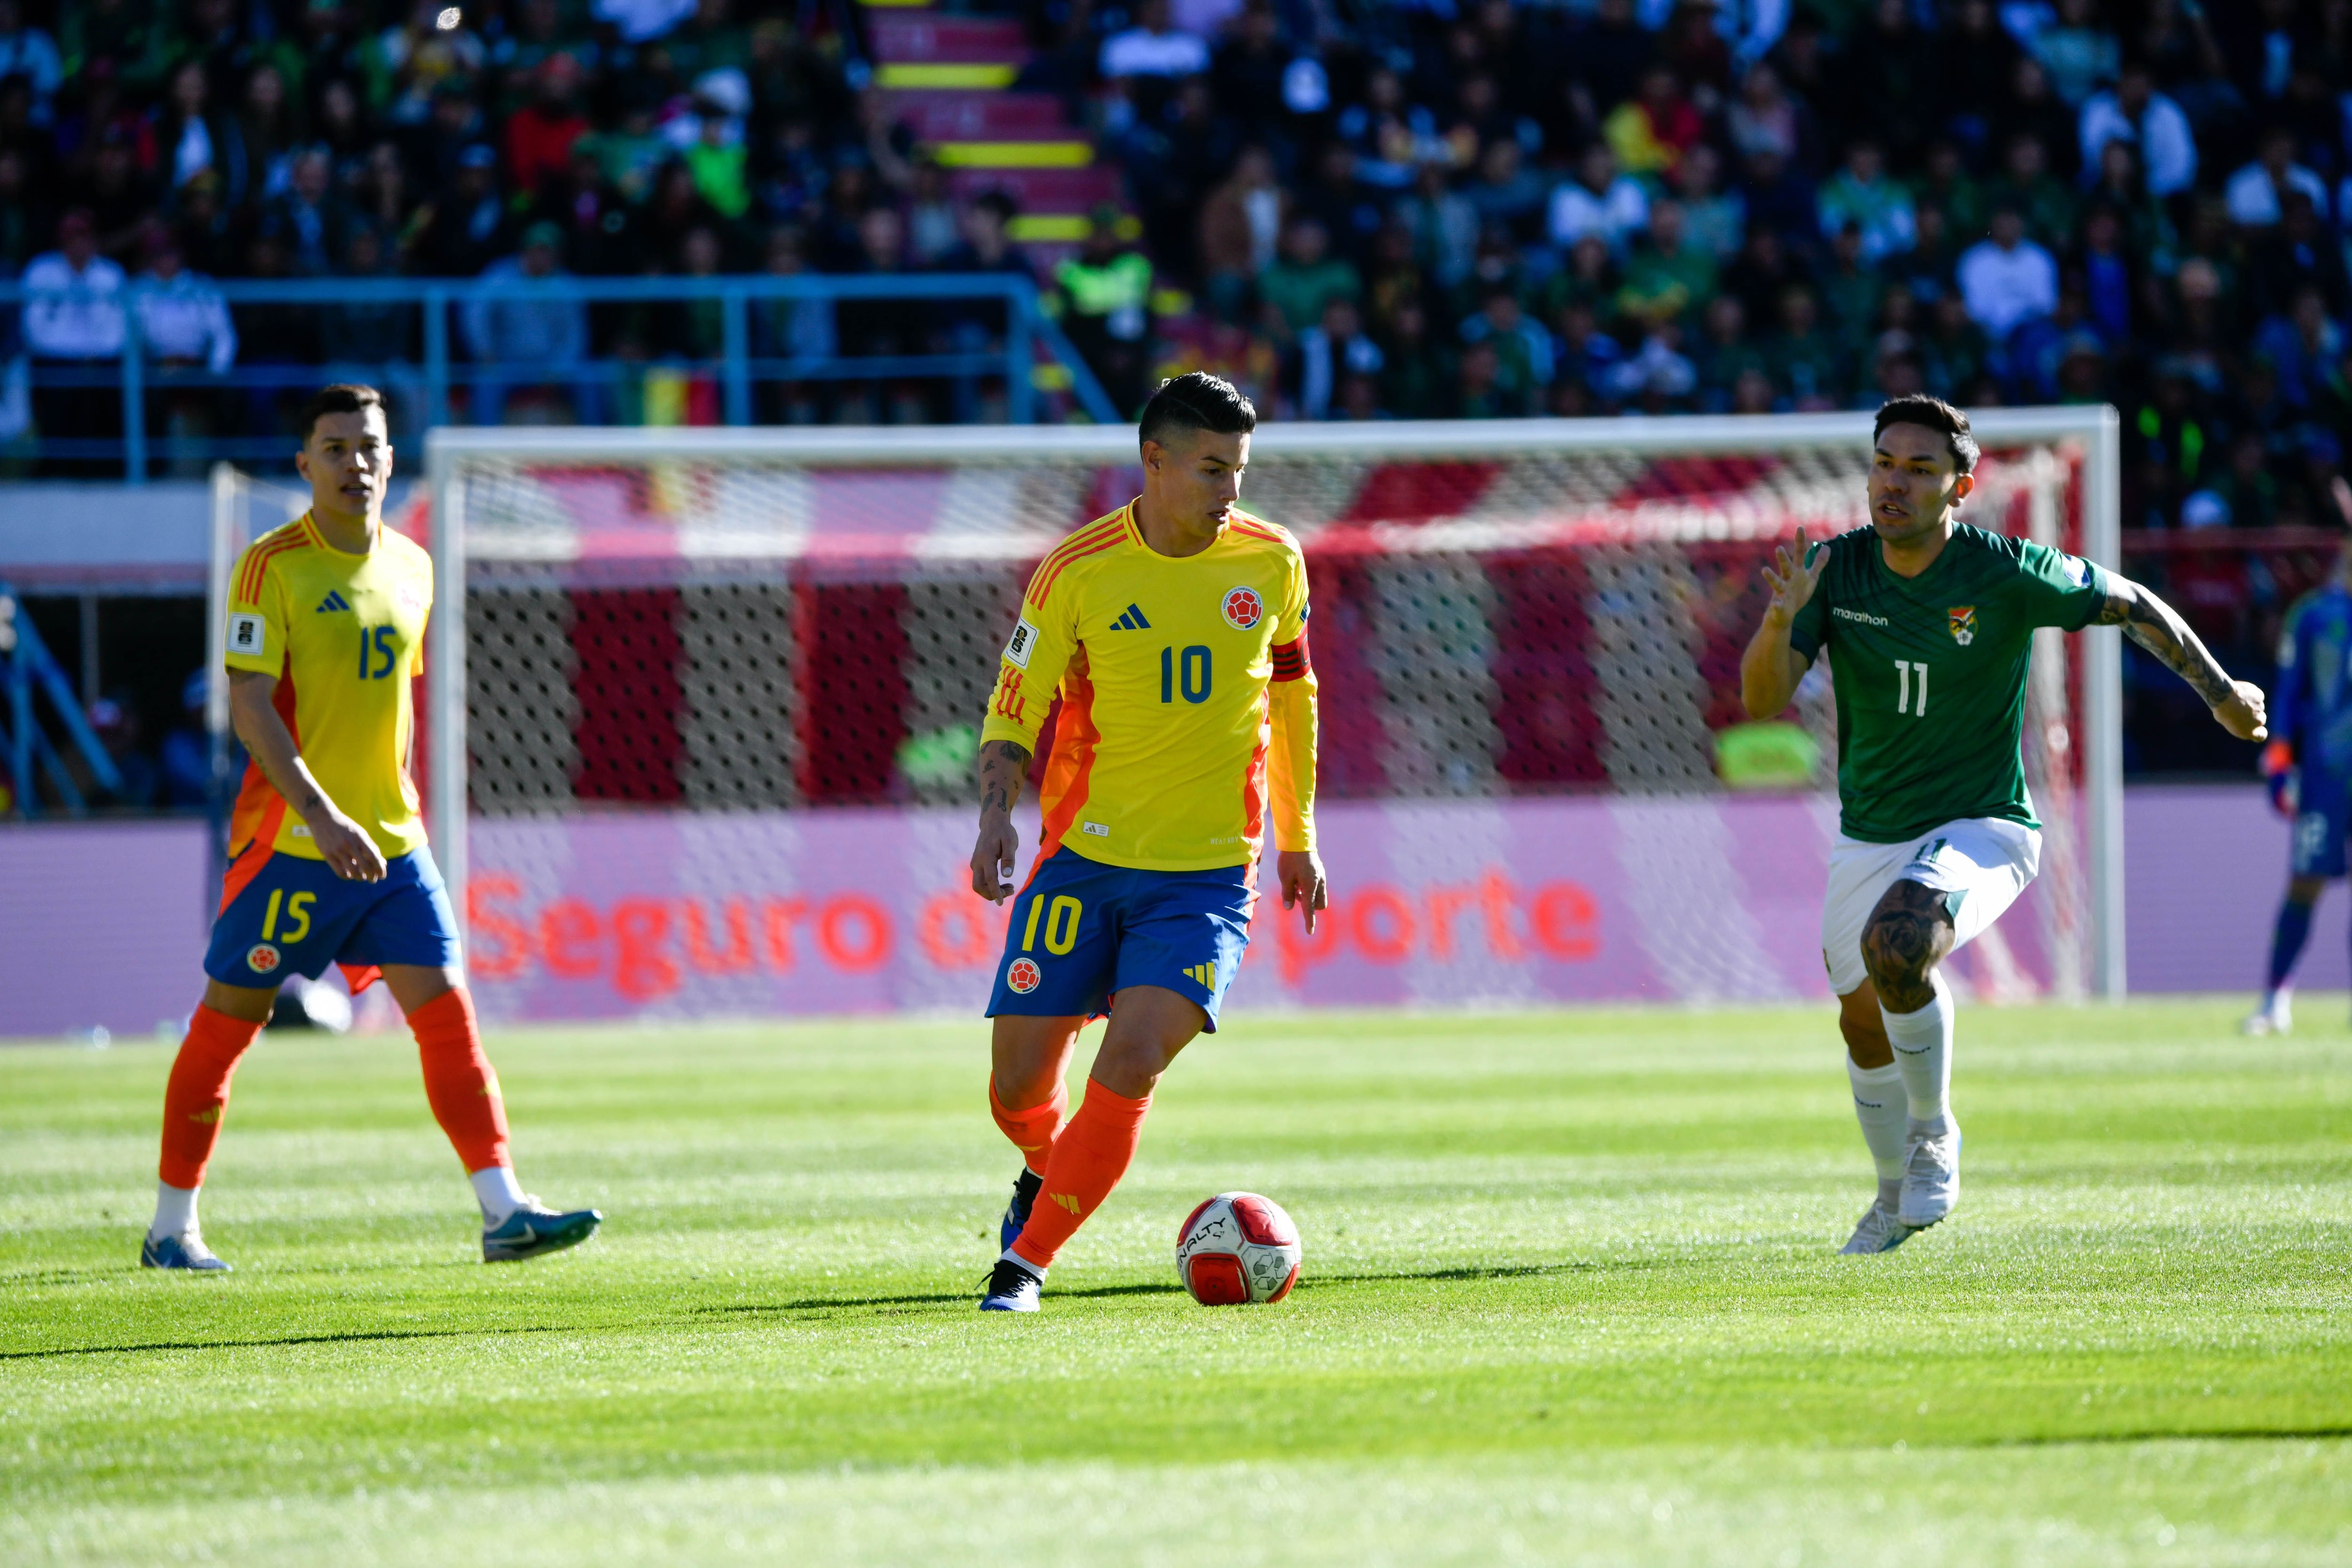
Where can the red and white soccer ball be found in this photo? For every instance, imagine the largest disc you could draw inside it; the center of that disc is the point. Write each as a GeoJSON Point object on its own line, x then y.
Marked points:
{"type": "Point", "coordinates": [1237, 1250]}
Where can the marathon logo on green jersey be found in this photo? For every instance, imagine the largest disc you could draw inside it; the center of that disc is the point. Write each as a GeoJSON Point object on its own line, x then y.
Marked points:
{"type": "Point", "coordinates": [1842, 612]}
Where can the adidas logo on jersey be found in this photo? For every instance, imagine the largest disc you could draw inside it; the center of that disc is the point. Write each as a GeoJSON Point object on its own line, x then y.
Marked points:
{"type": "Point", "coordinates": [1132, 621]}
{"type": "Point", "coordinates": [1203, 975]}
{"type": "Point", "coordinates": [333, 601]}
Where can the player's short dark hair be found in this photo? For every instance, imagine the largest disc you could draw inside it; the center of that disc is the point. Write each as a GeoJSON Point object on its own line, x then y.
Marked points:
{"type": "Point", "coordinates": [344, 397]}
{"type": "Point", "coordinates": [1918, 408]}
{"type": "Point", "coordinates": [1196, 401]}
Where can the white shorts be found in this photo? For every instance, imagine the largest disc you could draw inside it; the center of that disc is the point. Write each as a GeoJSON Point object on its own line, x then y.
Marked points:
{"type": "Point", "coordinates": [1985, 861]}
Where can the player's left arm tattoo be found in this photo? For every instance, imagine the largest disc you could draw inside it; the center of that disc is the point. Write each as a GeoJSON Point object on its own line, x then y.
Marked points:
{"type": "Point", "coordinates": [1003, 769]}
{"type": "Point", "coordinates": [2158, 627]}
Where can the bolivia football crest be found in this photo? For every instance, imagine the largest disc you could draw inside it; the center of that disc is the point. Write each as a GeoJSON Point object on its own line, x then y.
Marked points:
{"type": "Point", "coordinates": [1963, 620]}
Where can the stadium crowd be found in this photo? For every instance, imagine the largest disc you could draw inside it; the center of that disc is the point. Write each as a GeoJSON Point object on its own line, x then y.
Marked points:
{"type": "Point", "coordinates": [1357, 210]}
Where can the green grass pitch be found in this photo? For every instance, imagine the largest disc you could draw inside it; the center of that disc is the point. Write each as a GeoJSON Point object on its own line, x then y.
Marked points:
{"type": "Point", "coordinates": [1570, 1296]}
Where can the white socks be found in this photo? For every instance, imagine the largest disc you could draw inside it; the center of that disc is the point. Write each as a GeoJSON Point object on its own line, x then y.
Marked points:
{"type": "Point", "coordinates": [1923, 1049]}
{"type": "Point", "coordinates": [496, 1189]}
{"type": "Point", "coordinates": [1880, 1105]}
{"type": "Point", "coordinates": [175, 1211]}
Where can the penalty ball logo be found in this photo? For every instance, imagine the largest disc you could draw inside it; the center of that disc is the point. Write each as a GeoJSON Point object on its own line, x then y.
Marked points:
{"type": "Point", "coordinates": [1024, 977]}
{"type": "Point", "coordinates": [1243, 609]}
{"type": "Point", "coordinates": [262, 958]}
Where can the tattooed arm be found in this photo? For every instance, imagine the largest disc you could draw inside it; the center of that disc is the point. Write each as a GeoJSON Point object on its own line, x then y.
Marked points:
{"type": "Point", "coordinates": [1003, 769]}
{"type": "Point", "coordinates": [2153, 625]}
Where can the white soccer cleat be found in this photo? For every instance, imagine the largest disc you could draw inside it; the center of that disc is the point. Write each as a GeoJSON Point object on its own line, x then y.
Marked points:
{"type": "Point", "coordinates": [2274, 1016]}
{"type": "Point", "coordinates": [1931, 1174]}
{"type": "Point", "coordinates": [1880, 1231]}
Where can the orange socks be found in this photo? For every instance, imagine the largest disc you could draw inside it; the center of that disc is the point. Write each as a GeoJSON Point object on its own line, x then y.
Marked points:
{"type": "Point", "coordinates": [458, 1082]}
{"type": "Point", "coordinates": [1031, 1130]}
{"type": "Point", "coordinates": [1088, 1157]}
{"type": "Point", "coordinates": [198, 1093]}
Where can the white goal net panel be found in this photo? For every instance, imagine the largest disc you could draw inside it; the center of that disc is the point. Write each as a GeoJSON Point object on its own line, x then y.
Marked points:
{"type": "Point", "coordinates": [1522, 633]}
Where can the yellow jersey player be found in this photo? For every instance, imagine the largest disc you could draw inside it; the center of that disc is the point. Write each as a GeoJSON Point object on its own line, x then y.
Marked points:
{"type": "Point", "coordinates": [1174, 632]}
{"type": "Point", "coordinates": [326, 629]}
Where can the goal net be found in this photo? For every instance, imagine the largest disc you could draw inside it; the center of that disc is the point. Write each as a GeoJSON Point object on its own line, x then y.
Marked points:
{"type": "Point", "coordinates": [702, 707]}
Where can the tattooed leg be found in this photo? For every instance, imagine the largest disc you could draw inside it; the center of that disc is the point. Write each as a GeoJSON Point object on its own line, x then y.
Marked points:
{"type": "Point", "coordinates": [1909, 933]}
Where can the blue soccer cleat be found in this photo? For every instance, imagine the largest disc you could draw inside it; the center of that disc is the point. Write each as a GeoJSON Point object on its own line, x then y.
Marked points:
{"type": "Point", "coordinates": [535, 1230]}
{"type": "Point", "coordinates": [187, 1252]}
{"type": "Point", "coordinates": [1013, 1287]}
{"type": "Point", "coordinates": [1025, 1188]}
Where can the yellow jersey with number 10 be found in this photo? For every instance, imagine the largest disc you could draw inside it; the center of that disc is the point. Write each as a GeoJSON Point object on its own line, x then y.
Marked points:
{"type": "Point", "coordinates": [1186, 692]}
{"type": "Point", "coordinates": [345, 635]}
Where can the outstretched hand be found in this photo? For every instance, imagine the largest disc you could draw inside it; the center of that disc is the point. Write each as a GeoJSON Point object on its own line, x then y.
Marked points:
{"type": "Point", "coordinates": [1303, 886]}
{"type": "Point", "coordinates": [2242, 714]}
{"type": "Point", "coordinates": [1792, 585]}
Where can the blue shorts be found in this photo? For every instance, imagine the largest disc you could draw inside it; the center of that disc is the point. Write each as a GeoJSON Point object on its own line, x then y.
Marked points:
{"type": "Point", "coordinates": [1082, 931]}
{"type": "Point", "coordinates": [2324, 803]}
{"type": "Point", "coordinates": [282, 915]}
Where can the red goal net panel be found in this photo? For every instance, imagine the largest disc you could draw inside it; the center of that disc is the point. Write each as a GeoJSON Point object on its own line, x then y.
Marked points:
{"type": "Point", "coordinates": [1529, 670]}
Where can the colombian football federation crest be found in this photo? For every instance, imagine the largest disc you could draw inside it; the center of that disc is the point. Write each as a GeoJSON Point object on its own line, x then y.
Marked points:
{"type": "Point", "coordinates": [1964, 624]}
{"type": "Point", "coordinates": [1243, 609]}
{"type": "Point", "coordinates": [1023, 975]}
{"type": "Point", "coordinates": [262, 958]}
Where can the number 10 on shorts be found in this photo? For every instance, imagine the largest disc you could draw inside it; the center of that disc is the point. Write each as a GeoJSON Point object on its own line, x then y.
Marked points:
{"type": "Point", "coordinates": [1905, 669]}
{"type": "Point", "coordinates": [1061, 923]}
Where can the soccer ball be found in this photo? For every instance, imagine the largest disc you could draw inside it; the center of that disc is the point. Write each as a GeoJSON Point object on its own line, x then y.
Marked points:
{"type": "Point", "coordinates": [1237, 1249]}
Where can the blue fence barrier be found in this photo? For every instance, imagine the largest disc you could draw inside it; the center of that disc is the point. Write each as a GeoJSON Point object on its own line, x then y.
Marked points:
{"type": "Point", "coordinates": [439, 370]}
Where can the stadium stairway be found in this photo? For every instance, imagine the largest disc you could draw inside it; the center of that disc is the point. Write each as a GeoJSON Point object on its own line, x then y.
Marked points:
{"type": "Point", "coordinates": [951, 79]}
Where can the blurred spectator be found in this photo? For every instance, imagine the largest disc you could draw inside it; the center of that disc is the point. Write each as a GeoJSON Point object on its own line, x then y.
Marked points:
{"type": "Point", "coordinates": [1103, 297]}
{"type": "Point", "coordinates": [2135, 112]}
{"type": "Point", "coordinates": [540, 136]}
{"type": "Point", "coordinates": [72, 318]}
{"type": "Point", "coordinates": [1877, 206]}
{"type": "Point", "coordinates": [2040, 197]}
{"type": "Point", "coordinates": [1153, 47]}
{"type": "Point", "coordinates": [2007, 278]}
{"type": "Point", "coordinates": [1713, 220]}
{"type": "Point", "coordinates": [2079, 54]}
{"type": "Point", "coordinates": [182, 319]}
{"type": "Point", "coordinates": [1650, 132]}
{"type": "Point", "coordinates": [307, 217]}
{"type": "Point", "coordinates": [1304, 278]}
{"type": "Point", "coordinates": [1326, 355]}
{"type": "Point", "coordinates": [1524, 360]}
{"type": "Point", "coordinates": [1666, 274]}
{"type": "Point", "coordinates": [29, 52]}
{"type": "Point", "coordinates": [1598, 201]}
{"type": "Point", "coordinates": [533, 334]}
{"type": "Point", "coordinates": [2256, 193]}
{"type": "Point", "coordinates": [185, 757]}
{"type": "Point", "coordinates": [464, 226]}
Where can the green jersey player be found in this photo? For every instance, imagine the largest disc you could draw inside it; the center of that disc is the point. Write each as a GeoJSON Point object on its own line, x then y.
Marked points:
{"type": "Point", "coordinates": [1930, 629]}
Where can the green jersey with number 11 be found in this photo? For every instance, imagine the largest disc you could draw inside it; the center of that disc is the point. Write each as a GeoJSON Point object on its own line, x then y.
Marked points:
{"type": "Point", "coordinates": [1930, 673]}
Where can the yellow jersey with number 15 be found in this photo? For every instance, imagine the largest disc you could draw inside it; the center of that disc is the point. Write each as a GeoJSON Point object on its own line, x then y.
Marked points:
{"type": "Point", "coordinates": [1187, 697]}
{"type": "Point", "coordinates": [345, 635]}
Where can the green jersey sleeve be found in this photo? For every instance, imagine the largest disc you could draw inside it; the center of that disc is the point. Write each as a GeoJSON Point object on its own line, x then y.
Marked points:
{"type": "Point", "coordinates": [2056, 589]}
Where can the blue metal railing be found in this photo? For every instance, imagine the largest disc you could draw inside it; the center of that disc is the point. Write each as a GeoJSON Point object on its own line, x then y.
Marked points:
{"type": "Point", "coordinates": [440, 371]}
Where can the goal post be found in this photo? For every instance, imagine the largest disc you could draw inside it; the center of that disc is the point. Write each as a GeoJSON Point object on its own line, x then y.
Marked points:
{"type": "Point", "coordinates": [1513, 603]}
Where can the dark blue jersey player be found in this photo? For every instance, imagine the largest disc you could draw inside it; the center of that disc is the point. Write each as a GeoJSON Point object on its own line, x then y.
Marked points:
{"type": "Point", "coordinates": [2308, 763]}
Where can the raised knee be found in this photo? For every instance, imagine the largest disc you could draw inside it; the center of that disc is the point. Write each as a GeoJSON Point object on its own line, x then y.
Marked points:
{"type": "Point", "coordinates": [1897, 950]}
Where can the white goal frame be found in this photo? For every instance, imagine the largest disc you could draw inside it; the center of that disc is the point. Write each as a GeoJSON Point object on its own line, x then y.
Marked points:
{"type": "Point", "coordinates": [2097, 429]}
